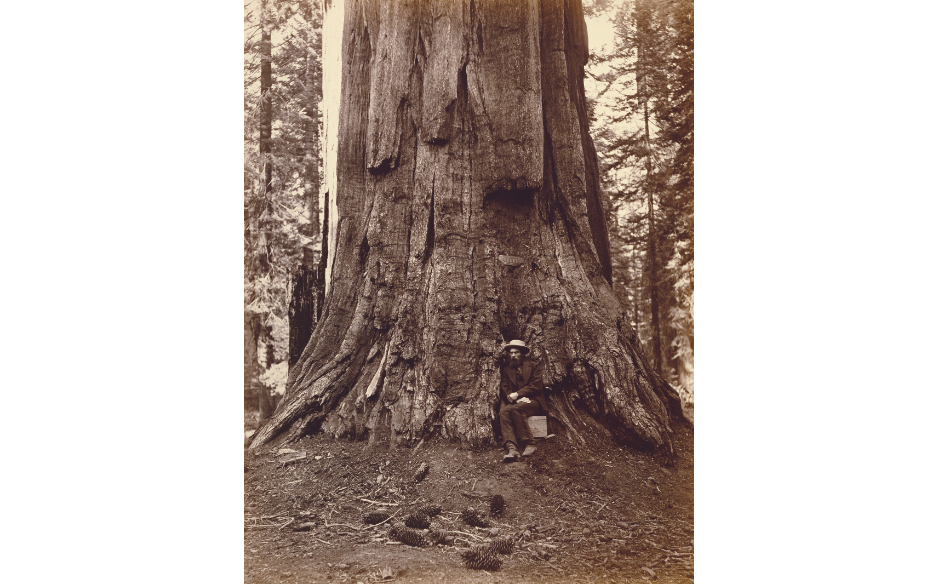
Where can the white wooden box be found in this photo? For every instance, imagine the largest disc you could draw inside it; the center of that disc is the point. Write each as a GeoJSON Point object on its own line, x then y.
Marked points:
{"type": "Point", "coordinates": [538, 426]}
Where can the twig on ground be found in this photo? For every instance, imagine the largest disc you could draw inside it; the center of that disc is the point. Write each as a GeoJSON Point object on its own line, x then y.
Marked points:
{"type": "Point", "coordinates": [464, 533]}
{"type": "Point", "coordinates": [292, 519]}
{"type": "Point", "coordinates": [378, 502]}
{"type": "Point", "coordinates": [342, 524]}
{"type": "Point", "coordinates": [472, 495]}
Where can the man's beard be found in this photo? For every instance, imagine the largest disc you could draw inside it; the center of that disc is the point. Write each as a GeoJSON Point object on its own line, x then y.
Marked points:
{"type": "Point", "coordinates": [516, 360]}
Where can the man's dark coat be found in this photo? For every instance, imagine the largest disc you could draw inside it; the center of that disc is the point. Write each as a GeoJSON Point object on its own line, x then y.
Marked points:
{"type": "Point", "coordinates": [531, 384]}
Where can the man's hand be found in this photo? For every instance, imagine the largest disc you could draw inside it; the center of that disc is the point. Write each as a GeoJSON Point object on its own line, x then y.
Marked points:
{"type": "Point", "coordinates": [513, 397]}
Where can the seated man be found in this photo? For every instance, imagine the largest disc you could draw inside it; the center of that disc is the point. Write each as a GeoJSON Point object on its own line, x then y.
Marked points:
{"type": "Point", "coordinates": [522, 395]}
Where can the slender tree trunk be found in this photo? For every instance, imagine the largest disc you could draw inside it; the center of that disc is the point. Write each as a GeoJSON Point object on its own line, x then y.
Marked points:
{"type": "Point", "coordinates": [650, 182]}
{"type": "Point", "coordinates": [466, 217]}
{"type": "Point", "coordinates": [313, 95]}
{"type": "Point", "coordinates": [260, 332]}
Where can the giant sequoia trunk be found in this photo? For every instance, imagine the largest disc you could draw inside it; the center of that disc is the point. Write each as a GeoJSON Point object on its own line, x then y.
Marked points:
{"type": "Point", "coordinates": [464, 211]}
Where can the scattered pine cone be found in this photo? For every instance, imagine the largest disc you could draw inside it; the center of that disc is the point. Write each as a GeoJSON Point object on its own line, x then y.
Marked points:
{"type": "Point", "coordinates": [504, 545]}
{"type": "Point", "coordinates": [496, 505]}
{"type": "Point", "coordinates": [437, 536]}
{"type": "Point", "coordinates": [407, 535]}
{"type": "Point", "coordinates": [482, 558]}
{"type": "Point", "coordinates": [417, 520]}
{"type": "Point", "coordinates": [375, 517]}
{"type": "Point", "coordinates": [430, 510]}
{"type": "Point", "coordinates": [471, 517]}
{"type": "Point", "coordinates": [422, 471]}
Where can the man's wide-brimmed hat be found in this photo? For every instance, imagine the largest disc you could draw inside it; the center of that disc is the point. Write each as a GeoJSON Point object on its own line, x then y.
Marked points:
{"type": "Point", "coordinates": [517, 345]}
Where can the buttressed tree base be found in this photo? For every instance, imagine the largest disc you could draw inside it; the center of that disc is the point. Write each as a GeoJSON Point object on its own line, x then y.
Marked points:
{"type": "Point", "coordinates": [465, 211]}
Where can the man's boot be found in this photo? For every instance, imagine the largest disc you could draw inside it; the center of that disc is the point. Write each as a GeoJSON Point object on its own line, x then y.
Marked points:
{"type": "Point", "coordinates": [512, 455]}
{"type": "Point", "coordinates": [529, 450]}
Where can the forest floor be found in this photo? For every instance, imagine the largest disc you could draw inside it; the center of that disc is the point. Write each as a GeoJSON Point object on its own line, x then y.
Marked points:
{"type": "Point", "coordinates": [599, 514]}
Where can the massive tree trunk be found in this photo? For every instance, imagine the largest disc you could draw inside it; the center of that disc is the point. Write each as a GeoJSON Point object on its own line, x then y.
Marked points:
{"type": "Point", "coordinates": [464, 212]}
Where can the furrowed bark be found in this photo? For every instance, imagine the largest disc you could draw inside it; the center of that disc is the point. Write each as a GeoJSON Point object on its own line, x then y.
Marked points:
{"type": "Point", "coordinates": [468, 214]}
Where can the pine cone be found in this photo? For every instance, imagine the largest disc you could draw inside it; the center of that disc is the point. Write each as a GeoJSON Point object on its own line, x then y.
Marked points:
{"type": "Point", "coordinates": [482, 558]}
{"type": "Point", "coordinates": [417, 521]}
{"type": "Point", "coordinates": [430, 510]}
{"type": "Point", "coordinates": [471, 517]}
{"type": "Point", "coordinates": [496, 505]}
{"type": "Point", "coordinates": [407, 535]}
{"type": "Point", "coordinates": [375, 517]}
{"type": "Point", "coordinates": [437, 536]}
{"type": "Point", "coordinates": [504, 545]}
{"type": "Point", "coordinates": [421, 472]}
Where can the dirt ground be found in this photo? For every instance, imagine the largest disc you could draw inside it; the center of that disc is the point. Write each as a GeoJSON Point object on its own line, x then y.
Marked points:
{"type": "Point", "coordinates": [599, 514]}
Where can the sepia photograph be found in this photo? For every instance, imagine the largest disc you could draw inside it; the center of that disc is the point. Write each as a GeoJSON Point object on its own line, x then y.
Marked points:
{"type": "Point", "coordinates": [469, 291]}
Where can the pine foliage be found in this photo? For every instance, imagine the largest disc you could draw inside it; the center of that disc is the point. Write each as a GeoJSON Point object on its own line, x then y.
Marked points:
{"type": "Point", "coordinates": [642, 120]}
{"type": "Point", "coordinates": [281, 139]}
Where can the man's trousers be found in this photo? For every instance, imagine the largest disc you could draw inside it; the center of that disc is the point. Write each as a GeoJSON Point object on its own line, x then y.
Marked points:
{"type": "Point", "coordinates": [513, 419]}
